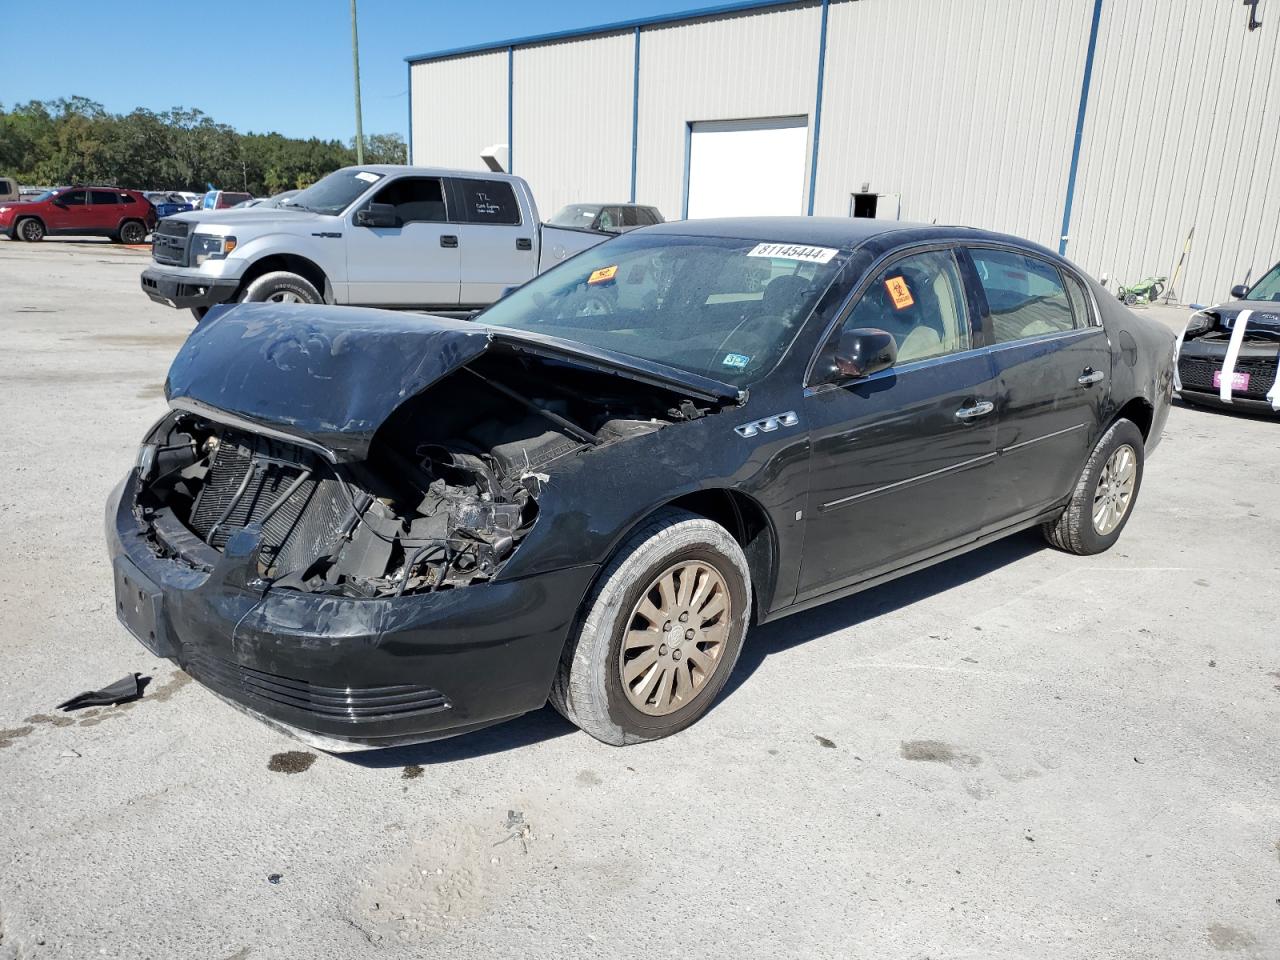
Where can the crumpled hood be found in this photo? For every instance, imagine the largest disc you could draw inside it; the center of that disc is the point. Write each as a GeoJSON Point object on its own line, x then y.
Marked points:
{"type": "Point", "coordinates": [330, 376]}
{"type": "Point", "coordinates": [1266, 314]}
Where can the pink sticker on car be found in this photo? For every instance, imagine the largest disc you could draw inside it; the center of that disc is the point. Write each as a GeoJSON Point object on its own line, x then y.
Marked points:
{"type": "Point", "coordinates": [1239, 381]}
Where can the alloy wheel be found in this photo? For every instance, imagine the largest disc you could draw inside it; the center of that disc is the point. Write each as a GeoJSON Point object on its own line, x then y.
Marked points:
{"type": "Point", "coordinates": [285, 296]}
{"type": "Point", "coordinates": [675, 638]}
{"type": "Point", "coordinates": [1114, 493]}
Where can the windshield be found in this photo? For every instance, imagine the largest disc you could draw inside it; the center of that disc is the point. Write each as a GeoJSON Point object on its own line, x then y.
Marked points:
{"type": "Point", "coordinates": [723, 308]}
{"type": "Point", "coordinates": [48, 194]}
{"type": "Point", "coordinates": [1268, 288]}
{"type": "Point", "coordinates": [580, 215]}
{"type": "Point", "coordinates": [334, 193]}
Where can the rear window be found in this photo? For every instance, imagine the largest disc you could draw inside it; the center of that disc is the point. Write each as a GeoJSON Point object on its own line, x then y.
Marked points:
{"type": "Point", "coordinates": [488, 201]}
{"type": "Point", "coordinates": [1026, 295]}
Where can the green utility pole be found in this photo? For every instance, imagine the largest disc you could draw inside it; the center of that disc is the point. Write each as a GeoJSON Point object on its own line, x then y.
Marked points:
{"type": "Point", "coordinates": [355, 60]}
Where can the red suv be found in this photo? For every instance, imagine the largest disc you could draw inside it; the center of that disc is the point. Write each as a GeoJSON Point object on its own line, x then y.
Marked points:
{"type": "Point", "coordinates": [126, 216]}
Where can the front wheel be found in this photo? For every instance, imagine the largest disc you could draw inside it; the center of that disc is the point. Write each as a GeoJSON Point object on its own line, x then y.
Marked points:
{"type": "Point", "coordinates": [280, 287]}
{"type": "Point", "coordinates": [1104, 495]}
{"type": "Point", "coordinates": [31, 230]}
{"type": "Point", "coordinates": [659, 633]}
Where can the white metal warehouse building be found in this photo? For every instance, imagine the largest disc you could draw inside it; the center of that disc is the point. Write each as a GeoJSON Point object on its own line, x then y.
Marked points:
{"type": "Point", "coordinates": [1108, 129]}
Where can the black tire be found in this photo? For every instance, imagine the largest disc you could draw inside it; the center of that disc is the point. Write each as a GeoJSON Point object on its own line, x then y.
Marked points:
{"type": "Point", "coordinates": [199, 312]}
{"type": "Point", "coordinates": [132, 232]}
{"type": "Point", "coordinates": [29, 229]}
{"type": "Point", "coordinates": [588, 689]}
{"type": "Point", "coordinates": [1075, 531]}
{"type": "Point", "coordinates": [280, 286]}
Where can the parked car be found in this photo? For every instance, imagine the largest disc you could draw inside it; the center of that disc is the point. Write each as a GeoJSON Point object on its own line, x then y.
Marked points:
{"type": "Point", "coordinates": [373, 529]}
{"type": "Point", "coordinates": [125, 216]}
{"type": "Point", "coordinates": [1229, 355]}
{"type": "Point", "coordinates": [388, 236]}
{"type": "Point", "coordinates": [167, 204]}
{"type": "Point", "coordinates": [608, 217]}
{"type": "Point", "coordinates": [9, 190]}
{"type": "Point", "coordinates": [223, 199]}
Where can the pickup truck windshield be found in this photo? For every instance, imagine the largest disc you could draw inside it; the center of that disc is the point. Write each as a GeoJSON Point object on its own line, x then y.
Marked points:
{"type": "Point", "coordinates": [723, 308]}
{"type": "Point", "coordinates": [1268, 288]}
{"type": "Point", "coordinates": [334, 193]}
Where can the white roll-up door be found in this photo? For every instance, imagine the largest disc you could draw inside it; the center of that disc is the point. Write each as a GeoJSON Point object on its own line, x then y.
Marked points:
{"type": "Point", "coordinates": [747, 168]}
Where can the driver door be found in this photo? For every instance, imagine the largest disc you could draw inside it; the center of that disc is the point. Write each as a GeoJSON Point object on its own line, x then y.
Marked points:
{"type": "Point", "coordinates": [69, 211]}
{"type": "Point", "coordinates": [901, 459]}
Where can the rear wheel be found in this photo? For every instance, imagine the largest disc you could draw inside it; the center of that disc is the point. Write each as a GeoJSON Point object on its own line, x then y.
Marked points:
{"type": "Point", "coordinates": [132, 232]}
{"type": "Point", "coordinates": [1104, 495]}
{"type": "Point", "coordinates": [659, 634]}
{"type": "Point", "coordinates": [30, 230]}
{"type": "Point", "coordinates": [199, 312]}
{"type": "Point", "coordinates": [280, 287]}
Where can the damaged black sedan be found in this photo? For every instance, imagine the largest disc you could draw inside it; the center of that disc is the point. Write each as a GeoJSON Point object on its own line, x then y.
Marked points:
{"type": "Point", "coordinates": [371, 528]}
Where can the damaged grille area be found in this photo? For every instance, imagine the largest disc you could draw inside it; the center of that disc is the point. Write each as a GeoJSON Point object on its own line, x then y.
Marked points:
{"type": "Point", "coordinates": [332, 703]}
{"type": "Point", "coordinates": [1197, 373]}
{"type": "Point", "coordinates": [245, 483]}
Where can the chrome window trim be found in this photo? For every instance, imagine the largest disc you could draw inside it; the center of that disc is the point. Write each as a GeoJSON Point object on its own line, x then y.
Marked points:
{"type": "Point", "coordinates": [1047, 436]}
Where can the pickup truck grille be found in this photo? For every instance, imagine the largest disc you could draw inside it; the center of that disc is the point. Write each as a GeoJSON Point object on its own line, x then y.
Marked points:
{"type": "Point", "coordinates": [169, 242]}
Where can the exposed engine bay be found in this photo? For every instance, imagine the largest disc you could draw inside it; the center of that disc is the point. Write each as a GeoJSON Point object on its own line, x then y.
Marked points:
{"type": "Point", "coordinates": [448, 490]}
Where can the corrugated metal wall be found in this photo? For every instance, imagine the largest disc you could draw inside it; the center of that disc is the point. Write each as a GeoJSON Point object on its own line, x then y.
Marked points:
{"type": "Point", "coordinates": [573, 109]}
{"type": "Point", "coordinates": [747, 65]}
{"type": "Point", "coordinates": [459, 108]}
{"type": "Point", "coordinates": [967, 109]}
{"type": "Point", "coordinates": [1183, 130]}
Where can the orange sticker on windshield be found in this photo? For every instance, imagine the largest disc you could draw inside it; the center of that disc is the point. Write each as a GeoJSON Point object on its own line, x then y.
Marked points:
{"type": "Point", "coordinates": [603, 275]}
{"type": "Point", "coordinates": [899, 292]}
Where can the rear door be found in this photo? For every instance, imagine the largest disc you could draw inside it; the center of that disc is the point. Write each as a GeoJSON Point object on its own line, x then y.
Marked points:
{"type": "Point", "coordinates": [1052, 363]}
{"type": "Point", "coordinates": [901, 462]}
{"type": "Point", "coordinates": [68, 211]}
{"type": "Point", "coordinates": [497, 246]}
{"type": "Point", "coordinates": [412, 264]}
{"type": "Point", "coordinates": [104, 210]}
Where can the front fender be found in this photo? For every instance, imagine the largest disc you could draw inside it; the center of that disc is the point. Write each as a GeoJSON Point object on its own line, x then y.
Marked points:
{"type": "Point", "coordinates": [329, 252]}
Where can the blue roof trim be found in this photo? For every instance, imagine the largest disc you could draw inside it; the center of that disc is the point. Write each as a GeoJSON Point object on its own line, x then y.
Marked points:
{"type": "Point", "coordinates": [741, 6]}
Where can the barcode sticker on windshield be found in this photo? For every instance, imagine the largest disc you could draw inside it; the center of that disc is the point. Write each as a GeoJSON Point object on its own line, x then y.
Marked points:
{"type": "Point", "coordinates": [792, 251]}
{"type": "Point", "coordinates": [367, 177]}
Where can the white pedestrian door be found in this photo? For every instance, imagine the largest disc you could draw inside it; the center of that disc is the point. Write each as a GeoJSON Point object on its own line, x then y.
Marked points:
{"type": "Point", "coordinates": [747, 168]}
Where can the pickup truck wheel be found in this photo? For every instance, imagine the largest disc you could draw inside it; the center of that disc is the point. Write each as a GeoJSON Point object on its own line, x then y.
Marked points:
{"type": "Point", "coordinates": [132, 232]}
{"type": "Point", "coordinates": [280, 287]}
{"type": "Point", "coordinates": [659, 634]}
{"type": "Point", "coordinates": [31, 230]}
{"type": "Point", "coordinates": [1104, 495]}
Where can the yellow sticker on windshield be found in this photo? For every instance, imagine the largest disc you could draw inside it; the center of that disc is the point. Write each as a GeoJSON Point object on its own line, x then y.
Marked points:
{"type": "Point", "coordinates": [603, 275]}
{"type": "Point", "coordinates": [899, 292]}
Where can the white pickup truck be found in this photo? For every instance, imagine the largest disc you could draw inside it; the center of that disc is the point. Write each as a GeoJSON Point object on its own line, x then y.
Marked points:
{"type": "Point", "coordinates": [380, 235]}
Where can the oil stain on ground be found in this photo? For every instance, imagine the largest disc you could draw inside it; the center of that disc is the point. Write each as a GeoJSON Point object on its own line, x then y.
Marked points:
{"type": "Point", "coordinates": [291, 761]}
{"type": "Point", "coordinates": [1229, 939]}
{"type": "Point", "coordinates": [411, 772]}
{"type": "Point", "coordinates": [935, 751]}
{"type": "Point", "coordinates": [8, 736]}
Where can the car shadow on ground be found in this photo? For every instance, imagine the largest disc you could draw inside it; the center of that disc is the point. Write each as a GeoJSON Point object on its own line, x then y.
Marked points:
{"type": "Point", "coordinates": [1241, 413]}
{"type": "Point", "coordinates": [762, 643]}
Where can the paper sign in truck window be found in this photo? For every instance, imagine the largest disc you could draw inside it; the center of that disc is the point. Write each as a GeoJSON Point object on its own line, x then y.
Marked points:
{"type": "Point", "coordinates": [793, 251]}
{"type": "Point", "coordinates": [603, 275]}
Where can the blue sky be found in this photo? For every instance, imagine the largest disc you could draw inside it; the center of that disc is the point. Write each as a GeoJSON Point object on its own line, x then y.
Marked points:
{"type": "Point", "coordinates": [262, 65]}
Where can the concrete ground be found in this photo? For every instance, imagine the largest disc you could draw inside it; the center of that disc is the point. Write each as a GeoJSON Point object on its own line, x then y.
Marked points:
{"type": "Point", "coordinates": [1018, 753]}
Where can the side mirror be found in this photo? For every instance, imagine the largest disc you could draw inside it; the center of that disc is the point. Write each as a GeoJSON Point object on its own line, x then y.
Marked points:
{"type": "Point", "coordinates": [58, 202]}
{"type": "Point", "coordinates": [863, 351]}
{"type": "Point", "coordinates": [376, 215]}
{"type": "Point", "coordinates": [1239, 291]}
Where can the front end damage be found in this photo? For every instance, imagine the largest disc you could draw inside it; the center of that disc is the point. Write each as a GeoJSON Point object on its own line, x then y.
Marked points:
{"type": "Point", "coordinates": [333, 561]}
{"type": "Point", "coordinates": [1229, 356]}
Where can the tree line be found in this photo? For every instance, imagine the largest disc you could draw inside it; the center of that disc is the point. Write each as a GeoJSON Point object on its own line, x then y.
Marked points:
{"type": "Point", "coordinates": [75, 140]}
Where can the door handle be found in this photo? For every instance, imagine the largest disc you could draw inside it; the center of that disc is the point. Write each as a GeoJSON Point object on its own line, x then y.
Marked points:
{"type": "Point", "coordinates": [1089, 376]}
{"type": "Point", "coordinates": [448, 240]}
{"type": "Point", "coordinates": [979, 409]}
{"type": "Point", "coordinates": [524, 243]}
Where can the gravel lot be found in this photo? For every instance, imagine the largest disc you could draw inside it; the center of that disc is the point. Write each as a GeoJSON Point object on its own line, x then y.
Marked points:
{"type": "Point", "coordinates": [1016, 754]}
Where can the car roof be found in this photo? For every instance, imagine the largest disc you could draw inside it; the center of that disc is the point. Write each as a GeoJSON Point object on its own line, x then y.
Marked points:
{"type": "Point", "coordinates": [841, 232]}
